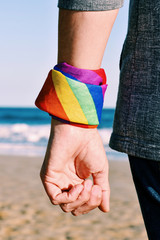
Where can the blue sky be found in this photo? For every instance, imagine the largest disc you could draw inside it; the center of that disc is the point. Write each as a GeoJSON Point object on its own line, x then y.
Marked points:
{"type": "Point", "coordinates": [28, 50]}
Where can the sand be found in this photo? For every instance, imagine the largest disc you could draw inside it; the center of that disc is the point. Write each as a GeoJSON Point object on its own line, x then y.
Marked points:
{"type": "Point", "coordinates": [27, 214]}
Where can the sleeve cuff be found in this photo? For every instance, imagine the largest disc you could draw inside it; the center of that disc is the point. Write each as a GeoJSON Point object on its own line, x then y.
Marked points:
{"type": "Point", "coordinates": [90, 5]}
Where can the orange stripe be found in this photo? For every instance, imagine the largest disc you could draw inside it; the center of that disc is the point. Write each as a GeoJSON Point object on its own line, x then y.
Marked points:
{"type": "Point", "coordinates": [48, 101]}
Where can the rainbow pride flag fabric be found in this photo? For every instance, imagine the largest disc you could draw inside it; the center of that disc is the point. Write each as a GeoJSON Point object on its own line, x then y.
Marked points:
{"type": "Point", "coordinates": [73, 95]}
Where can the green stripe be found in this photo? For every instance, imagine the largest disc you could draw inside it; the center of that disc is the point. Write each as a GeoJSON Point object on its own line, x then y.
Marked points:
{"type": "Point", "coordinates": [85, 100]}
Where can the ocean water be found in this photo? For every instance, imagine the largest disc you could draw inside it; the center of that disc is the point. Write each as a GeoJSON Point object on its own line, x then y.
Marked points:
{"type": "Point", "coordinates": [25, 131]}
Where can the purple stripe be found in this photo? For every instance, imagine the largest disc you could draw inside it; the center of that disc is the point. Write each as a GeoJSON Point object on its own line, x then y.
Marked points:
{"type": "Point", "coordinates": [83, 75]}
{"type": "Point", "coordinates": [104, 87]}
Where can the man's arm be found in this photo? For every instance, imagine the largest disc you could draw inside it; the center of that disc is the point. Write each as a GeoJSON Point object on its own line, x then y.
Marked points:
{"type": "Point", "coordinates": [74, 153]}
{"type": "Point", "coordinates": [83, 37]}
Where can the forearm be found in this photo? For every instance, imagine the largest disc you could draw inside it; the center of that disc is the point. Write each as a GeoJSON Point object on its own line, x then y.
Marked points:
{"type": "Point", "coordinates": [83, 37]}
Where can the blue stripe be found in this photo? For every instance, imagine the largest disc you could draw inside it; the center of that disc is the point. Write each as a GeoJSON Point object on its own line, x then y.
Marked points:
{"type": "Point", "coordinates": [97, 95]}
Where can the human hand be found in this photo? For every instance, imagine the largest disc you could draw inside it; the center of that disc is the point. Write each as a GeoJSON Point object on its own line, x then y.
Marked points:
{"type": "Point", "coordinates": [73, 154]}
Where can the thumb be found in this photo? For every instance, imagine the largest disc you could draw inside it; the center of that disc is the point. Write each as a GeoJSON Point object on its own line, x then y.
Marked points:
{"type": "Point", "coordinates": [101, 179]}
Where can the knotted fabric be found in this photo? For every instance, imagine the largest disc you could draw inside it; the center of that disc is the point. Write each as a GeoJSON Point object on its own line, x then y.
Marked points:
{"type": "Point", "coordinates": [73, 95]}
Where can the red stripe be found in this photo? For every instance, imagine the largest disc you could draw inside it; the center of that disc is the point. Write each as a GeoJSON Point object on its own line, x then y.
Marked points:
{"type": "Point", "coordinates": [83, 125]}
{"type": "Point", "coordinates": [48, 101]}
{"type": "Point", "coordinates": [102, 74]}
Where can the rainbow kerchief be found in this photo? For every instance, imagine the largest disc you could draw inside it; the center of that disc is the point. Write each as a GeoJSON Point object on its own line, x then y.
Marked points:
{"type": "Point", "coordinates": [73, 95]}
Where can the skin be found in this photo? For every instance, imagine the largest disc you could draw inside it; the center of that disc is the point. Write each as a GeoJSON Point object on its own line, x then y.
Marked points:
{"type": "Point", "coordinates": [82, 37]}
{"type": "Point", "coordinates": [74, 153]}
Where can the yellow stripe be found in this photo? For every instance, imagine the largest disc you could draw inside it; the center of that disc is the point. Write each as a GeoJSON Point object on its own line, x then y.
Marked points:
{"type": "Point", "coordinates": [67, 98]}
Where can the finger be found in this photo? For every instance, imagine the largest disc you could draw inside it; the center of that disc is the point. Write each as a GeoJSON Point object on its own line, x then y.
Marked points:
{"type": "Point", "coordinates": [84, 196]}
{"type": "Point", "coordinates": [58, 197]}
{"type": "Point", "coordinates": [52, 191]}
{"type": "Point", "coordinates": [101, 179]}
{"type": "Point", "coordinates": [94, 201]}
{"type": "Point", "coordinates": [69, 196]}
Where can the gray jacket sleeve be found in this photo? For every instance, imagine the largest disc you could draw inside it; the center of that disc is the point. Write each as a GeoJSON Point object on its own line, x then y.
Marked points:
{"type": "Point", "coordinates": [90, 5]}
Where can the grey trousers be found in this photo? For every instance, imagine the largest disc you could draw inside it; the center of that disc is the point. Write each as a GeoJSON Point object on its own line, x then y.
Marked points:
{"type": "Point", "coordinates": [90, 5]}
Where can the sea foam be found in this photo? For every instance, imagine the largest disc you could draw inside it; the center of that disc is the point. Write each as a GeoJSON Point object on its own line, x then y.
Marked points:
{"type": "Point", "coordinates": [21, 139]}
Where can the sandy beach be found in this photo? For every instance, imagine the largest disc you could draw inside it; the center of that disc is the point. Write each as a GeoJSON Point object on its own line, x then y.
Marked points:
{"type": "Point", "coordinates": [27, 214]}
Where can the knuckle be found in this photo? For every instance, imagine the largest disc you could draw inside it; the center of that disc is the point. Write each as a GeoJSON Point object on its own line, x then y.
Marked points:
{"type": "Point", "coordinates": [65, 208]}
{"type": "Point", "coordinates": [54, 202]}
{"type": "Point", "coordinates": [75, 213]}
